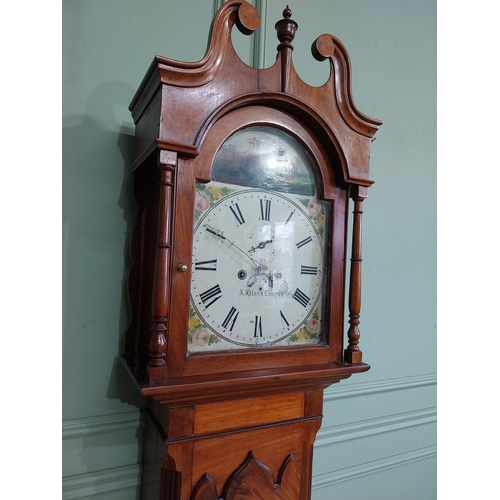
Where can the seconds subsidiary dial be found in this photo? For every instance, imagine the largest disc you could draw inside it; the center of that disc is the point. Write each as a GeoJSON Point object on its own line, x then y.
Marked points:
{"type": "Point", "coordinates": [257, 269]}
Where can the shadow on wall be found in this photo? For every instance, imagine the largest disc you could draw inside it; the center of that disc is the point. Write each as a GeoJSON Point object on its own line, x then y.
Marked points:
{"type": "Point", "coordinates": [98, 214]}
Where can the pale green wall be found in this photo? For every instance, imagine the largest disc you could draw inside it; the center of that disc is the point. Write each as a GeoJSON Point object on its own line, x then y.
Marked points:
{"type": "Point", "coordinates": [378, 436]}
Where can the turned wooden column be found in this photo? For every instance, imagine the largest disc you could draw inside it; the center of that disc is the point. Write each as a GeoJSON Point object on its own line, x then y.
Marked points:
{"type": "Point", "coordinates": [353, 354]}
{"type": "Point", "coordinates": [161, 291]}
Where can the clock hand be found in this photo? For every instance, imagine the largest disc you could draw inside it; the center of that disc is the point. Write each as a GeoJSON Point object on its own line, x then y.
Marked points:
{"type": "Point", "coordinates": [252, 279]}
{"type": "Point", "coordinates": [217, 232]}
{"type": "Point", "coordinates": [262, 244]}
{"type": "Point", "coordinates": [220, 234]}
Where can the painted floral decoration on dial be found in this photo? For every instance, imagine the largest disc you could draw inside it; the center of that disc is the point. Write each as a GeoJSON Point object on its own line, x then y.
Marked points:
{"type": "Point", "coordinates": [258, 269]}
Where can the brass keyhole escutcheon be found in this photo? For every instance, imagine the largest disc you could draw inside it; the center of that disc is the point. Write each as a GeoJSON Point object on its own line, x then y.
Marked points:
{"type": "Point", "coordinates": [182, 268]}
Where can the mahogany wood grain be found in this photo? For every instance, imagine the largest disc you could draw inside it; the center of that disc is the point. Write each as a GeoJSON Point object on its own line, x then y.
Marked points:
{"type": "Point", "coordinates": [206, 489]}
{"type": "Point", "coordinates": [255, 480]}
{"type": "Point", "coordinates": [216, 417]}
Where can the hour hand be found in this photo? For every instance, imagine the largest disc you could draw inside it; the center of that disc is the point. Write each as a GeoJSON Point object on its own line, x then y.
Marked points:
{"type": "Point", "coordinates": [262, 244]}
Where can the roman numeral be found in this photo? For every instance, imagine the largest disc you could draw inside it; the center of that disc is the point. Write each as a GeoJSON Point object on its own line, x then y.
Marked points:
{"type": "Point", "coordinates": [309, 270]}
{"type": "Point", "coordinates": [265, 209]}
{"type": "Point", "coordinates": [305, 241]}
{"type": "Point", "coordinates": [257, 331]}
{"type": "Point", "coordinates": [237, 213]}
{"type": "Point", "coordinates": [206, 265]}
{"type": "Point", "coordinates": [233, 314]}
{"type": "Point", "coordinates": [283, 318]}
{"type": "Point", "coordinates": [301, 297]}
{"type": "Point", "coordinates": [214, 293]}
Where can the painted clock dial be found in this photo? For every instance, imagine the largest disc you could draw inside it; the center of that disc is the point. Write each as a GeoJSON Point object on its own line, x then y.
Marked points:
{"type": "Point", "coordinates": [258, 261]}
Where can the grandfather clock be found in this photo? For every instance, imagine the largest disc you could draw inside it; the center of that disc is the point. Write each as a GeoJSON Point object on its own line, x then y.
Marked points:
{"type": "Point", "coordinates": [243, 180]}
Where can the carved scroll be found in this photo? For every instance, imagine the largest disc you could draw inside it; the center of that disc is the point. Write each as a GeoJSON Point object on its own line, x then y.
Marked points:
{"type": "Point", "coordinates": [330, 47]}
{"type": "Point", "coordinates": [254, 481]}
{"type": "Point", "coordinates": [195, 74]}
{"type": "Point", "coordinates": [205, 489]}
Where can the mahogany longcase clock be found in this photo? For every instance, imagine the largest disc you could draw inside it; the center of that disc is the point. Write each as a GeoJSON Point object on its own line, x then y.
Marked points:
{"type": "Point", "coordinates": [242, 179]}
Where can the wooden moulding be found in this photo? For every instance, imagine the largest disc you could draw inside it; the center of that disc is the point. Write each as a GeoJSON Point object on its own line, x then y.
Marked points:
{"type": "Point", "coordinates": [231, 385]}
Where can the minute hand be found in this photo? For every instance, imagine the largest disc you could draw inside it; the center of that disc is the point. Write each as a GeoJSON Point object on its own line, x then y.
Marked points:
{"type": "Point", "coordinates": [220, 234]}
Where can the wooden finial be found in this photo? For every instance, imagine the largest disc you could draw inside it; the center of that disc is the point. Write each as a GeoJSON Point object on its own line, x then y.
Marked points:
{"type": "Point", "coordinates": [286, 29]}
